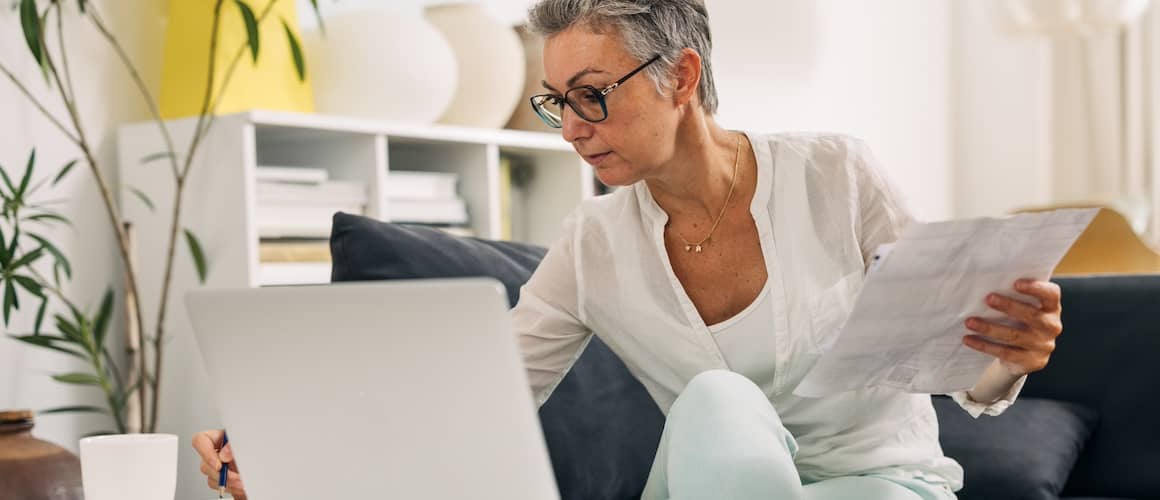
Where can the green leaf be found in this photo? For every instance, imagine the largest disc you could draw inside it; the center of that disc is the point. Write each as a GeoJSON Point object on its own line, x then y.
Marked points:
{"type": "Point", "coordinates": [74, 409]}
{"type": "Point", "coordinates": [296, 51]}
{"type": "Point", "coordinates": [195, 250]}
{"type": "Point", "coordinates": [251, 21]}
{"type": "Point", "coordinates": [40, 315]}
{"type": "Point", "coordinates": [318, 15]}
{"type": "Point", "coordinates": [26, 259]}
{"type": "Point", "coordinates": [30, 21]}
{"type": "Point", "coordinates": [144, 198]}
{"type": "Point", "coordinates": [8, 182]}
{"type": "Point", "coordinates": [64, 171]}
{"type": "Point", "coordinates": [78, 378]}
{"type": "Point", "coordinates": [30, 284]}
{"type": "Point", "coordinates": [81, 5]}
{"type": "Point", "coordinates": [27, 173]}
{"type": "Point", "coordinates": [155, 156]}
{"type": "Point", "coordinates": [12, 245]}
{"type": "Point", "coordinates": [5, 257]}
{"type": "Point", "coordinates": [71, 331]}
{"type": "Point", "coordinates": [101, 326]}
{"type": "Point", "coordinates": [49, 216]}
{"type": "Point", "coordinates": [48, 342]}
{"type": "Point", "coordinates": [61, 260]}
{"type": "Point", "coordinates": [10, 300]}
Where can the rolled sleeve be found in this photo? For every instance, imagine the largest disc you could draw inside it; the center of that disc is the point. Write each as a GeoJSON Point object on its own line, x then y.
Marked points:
{"type": "Point", "coordinates": [975, 408]}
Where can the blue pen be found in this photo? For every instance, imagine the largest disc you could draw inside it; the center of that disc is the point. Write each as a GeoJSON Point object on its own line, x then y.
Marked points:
{"type": "Point", "coordinates": [224, 473]}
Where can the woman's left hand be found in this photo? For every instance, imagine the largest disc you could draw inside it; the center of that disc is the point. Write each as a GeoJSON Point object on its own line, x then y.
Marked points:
{"type": "Point", "coordinates": [1031, 342]}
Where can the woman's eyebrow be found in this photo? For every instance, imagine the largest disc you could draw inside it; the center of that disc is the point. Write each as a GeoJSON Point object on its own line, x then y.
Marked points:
{"type": "Point", "coordinates": [572, 81]}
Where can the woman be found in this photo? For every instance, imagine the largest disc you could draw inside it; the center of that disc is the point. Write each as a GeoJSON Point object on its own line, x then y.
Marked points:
{"type": "Point", "coordinates": [719, 270]}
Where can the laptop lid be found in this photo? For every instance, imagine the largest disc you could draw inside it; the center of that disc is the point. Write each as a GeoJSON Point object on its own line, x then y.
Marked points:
{"type": "Point", "coordinates": [402, 389]}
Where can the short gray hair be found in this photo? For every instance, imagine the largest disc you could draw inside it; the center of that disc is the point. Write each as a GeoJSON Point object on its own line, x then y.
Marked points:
{"type": "Point", "coordinates": [648, 28]}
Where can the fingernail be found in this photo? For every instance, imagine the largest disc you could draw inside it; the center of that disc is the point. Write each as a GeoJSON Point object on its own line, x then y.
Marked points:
{"type": "Point", "coordinates": [993, 300]}
{"type": "Point", "coordinates": [217, 466]}
{"type": "Point", "coordinates": [972, 323]}
{"type": "Point", "coordinates": [1022, 284]}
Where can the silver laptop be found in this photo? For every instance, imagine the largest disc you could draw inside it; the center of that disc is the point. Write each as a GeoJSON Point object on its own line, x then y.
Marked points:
{"type": "Point", "coordinates": [402, 390]}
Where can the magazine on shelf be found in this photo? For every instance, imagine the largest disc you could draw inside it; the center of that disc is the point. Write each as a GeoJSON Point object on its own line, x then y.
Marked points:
{"type": "Point", "coordinates": [297, 175]}
{"type": "Point", "coordinates": [294, 250]}
{"type": "Point", "coordinates": [448, 212]}
{"type": "Point", "coordinates": [411, 185]}
{"type": "Point", "coordinates": [300, 221]}
{"type": "Point", "coordinates": [329, 192]}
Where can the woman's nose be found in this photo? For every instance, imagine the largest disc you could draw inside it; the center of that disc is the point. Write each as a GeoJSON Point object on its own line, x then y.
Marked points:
{"type": "Point", "coordinates": [574, 127]}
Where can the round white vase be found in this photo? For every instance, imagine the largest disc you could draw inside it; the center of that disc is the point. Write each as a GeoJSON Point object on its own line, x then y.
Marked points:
{"type": "Point", "coordinates": [383, 63]}
{"type": "Point", "coordinates": [524, 118]}
{"type": "Point", "coordinates": [491, 65]}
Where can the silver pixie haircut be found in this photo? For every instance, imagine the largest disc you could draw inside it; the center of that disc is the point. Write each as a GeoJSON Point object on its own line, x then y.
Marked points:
{"type": "Point", "coordinates": [647, 27]}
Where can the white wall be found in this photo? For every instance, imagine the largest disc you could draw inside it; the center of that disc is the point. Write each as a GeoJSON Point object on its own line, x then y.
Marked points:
{"type": "Point", "coordinates": [106, 98]}
{"type": "Point", "coordinates": [1002, 118]}
{"type": "Point", "coordinates": [876, 70]}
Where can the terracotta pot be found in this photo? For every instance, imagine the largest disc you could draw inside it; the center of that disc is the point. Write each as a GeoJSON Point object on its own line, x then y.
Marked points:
{"type": "Point", "coordinates": [31, 469]}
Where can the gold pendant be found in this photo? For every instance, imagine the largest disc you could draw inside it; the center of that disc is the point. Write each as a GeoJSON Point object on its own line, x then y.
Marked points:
{"type": "Point", "coordinates": [698, 248]}
{"type": "Point", "coordinates": [688, 248]}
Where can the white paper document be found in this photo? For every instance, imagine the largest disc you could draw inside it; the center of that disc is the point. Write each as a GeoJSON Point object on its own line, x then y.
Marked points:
{"type": "Point", "coordinates": [906, 327]}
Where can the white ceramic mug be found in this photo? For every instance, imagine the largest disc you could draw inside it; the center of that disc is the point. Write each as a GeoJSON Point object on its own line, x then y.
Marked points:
{"type": "Point", "coordinates": [129, 467]}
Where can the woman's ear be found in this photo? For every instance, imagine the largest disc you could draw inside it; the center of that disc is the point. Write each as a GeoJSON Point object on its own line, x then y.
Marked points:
{"type": "Point", "coordinates": [687, 76]}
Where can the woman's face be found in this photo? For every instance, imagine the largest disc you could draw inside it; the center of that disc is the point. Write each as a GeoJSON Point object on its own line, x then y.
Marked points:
{"type": "Point", "coordinates": [638, 133]}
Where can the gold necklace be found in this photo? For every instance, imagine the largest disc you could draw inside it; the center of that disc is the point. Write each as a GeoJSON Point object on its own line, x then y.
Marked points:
{"type": "Point", "coordinates": [696, 247]}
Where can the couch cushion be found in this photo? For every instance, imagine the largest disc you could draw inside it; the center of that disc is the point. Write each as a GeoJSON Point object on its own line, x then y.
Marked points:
{"type": "Point", "coordinates": [601, 426]}
{"type": "Point", "coordinates": [1106, 360]}
{"type": "Point", "coordinates": [364, 249]}
{"type": "Point", "coordinates": [1026, 453]}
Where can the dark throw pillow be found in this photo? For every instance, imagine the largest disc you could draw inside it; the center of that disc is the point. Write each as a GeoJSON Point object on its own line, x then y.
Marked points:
{"type": "Point", "coordinates": [364, 249]}
{"type": "Point", "coordinates": [601, 426]}
{"type": "Point", "coordinates": [1026, 453]}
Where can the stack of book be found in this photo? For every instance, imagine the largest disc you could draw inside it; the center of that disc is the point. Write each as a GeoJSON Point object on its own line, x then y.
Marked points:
{"type": "Point", "coordinates": [295, 207]}
{"type": "Point", "coordinates": [427, 198]}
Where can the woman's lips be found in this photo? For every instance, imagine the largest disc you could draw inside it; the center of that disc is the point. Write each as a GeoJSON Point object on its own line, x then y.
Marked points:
{"type": "Point", "coordinates": [597, 159]}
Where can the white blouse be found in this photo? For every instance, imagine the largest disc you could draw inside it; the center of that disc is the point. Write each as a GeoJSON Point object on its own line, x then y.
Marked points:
{"type": "Point", "coordinates": [746, 341]}
{"type": "Point", "coordinates": [821, 207]}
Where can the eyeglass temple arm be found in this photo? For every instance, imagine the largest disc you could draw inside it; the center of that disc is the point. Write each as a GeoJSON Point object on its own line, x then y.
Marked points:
{"type": "Point", "coordinates": [613, 86]}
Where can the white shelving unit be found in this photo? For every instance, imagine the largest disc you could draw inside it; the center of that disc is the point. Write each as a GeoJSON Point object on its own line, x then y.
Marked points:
{"type": "Point", "coordinates": [220, 204]}
{"type": "Point", "coordinates": [220, 199]}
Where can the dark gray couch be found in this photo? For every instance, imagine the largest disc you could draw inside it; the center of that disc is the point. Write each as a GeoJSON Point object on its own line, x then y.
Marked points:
{"type": "Point", "coordinates": [1095, 403]}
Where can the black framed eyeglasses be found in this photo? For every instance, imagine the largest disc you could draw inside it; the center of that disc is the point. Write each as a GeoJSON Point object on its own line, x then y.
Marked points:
{"type": "Point", "coordinates": [587, 101]}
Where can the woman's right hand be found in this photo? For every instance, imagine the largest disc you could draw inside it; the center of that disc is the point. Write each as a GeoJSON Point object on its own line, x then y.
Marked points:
{"type": "Point", "coordinates": [213, 455]}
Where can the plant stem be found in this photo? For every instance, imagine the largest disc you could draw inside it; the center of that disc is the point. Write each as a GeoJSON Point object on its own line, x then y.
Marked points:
{"type": "Point", "coordinates": [230, 72]}
{"type": "Point", "coordinates": [204, 123]}
{"type": "Point", "coordinates": [175, 222]}
{"type": "Point", "coordinates": [63, 55]}
{"type": "Point", "coordinates": [95, 17]}
{"type": "Point", "coordinates": [94, 167]}
{"type": "Point", "coordinates": [39, 106]}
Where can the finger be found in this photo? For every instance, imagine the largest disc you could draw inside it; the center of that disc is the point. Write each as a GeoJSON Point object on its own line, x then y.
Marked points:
{"type": "Point", "coordinates": [1010, 354]}
{"type": "Point", "coordinates": [1026, 313]}
{"type": "Point", "coordinates": [1002, 333]}
{"type": "Point", "coordinates": [1047, 292]}
{"type": "Point", "coordinates": [206, 445]}
{"type": "Point", "coordinates": [226, 454]}
{"type": "Point", "coordinates": [208, 470]}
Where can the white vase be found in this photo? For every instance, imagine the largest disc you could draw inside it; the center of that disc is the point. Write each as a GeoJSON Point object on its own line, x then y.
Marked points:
{"type": "Point", "coordinates": [491, 65]}
{"type": "Point", "coordinates": [383, 63]}
{"type": "Point", "coordinates": [524, 118]}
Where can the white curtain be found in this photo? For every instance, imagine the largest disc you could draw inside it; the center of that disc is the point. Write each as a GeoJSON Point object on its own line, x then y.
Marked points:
{"type": "Point", "coordinates": [1106, 97]}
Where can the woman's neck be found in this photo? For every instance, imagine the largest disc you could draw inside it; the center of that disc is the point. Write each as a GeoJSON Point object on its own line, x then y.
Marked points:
{"type": "Point", "coordinates": [696, 182]}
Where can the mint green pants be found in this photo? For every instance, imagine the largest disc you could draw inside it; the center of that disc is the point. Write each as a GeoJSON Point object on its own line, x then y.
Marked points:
{"type": "Point", "coordinates": [754, 461]}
